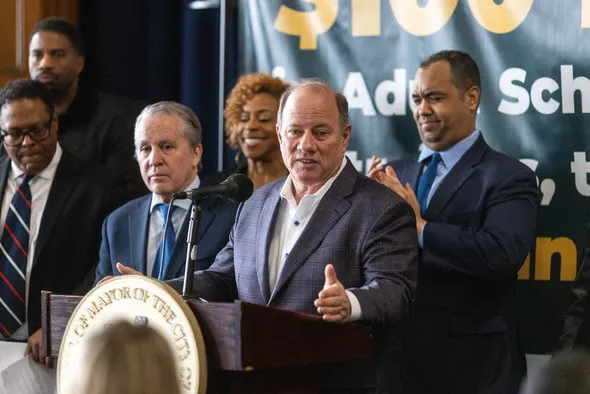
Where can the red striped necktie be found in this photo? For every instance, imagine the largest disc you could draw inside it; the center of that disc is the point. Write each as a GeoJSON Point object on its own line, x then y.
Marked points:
{"type": "Point", "coordinates": [14, 252]}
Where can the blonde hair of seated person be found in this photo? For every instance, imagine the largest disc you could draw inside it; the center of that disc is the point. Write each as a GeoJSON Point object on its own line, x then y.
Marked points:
{"type": "Point", "coordinates": [127, 359]}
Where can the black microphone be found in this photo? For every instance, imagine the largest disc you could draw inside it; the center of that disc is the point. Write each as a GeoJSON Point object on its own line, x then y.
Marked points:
{"type": "Point", "coordinates": [237, 187]}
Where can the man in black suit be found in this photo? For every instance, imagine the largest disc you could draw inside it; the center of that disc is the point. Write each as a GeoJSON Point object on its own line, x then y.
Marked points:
{"type": "Point", "coordinates": [93, 126]}
{"type": "Point", "coordinates": [476, 212]}
{"type": "Point", "coordinates": [67, 201]}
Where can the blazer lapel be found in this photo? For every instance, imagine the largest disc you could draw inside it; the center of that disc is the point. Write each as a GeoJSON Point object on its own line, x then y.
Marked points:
{"type": "Point", "coordinates": [330, 209]}
{"type": "Point", "coordinates": [264, 236]}
{"type": "Point", "coordinates": [411, 173]}
{"type": "Point", "coordinates": [138, 233]}
{"type": "Point", "coordinates": [62, 187]}
{"type": "Point", "coordinates": [464, 168]}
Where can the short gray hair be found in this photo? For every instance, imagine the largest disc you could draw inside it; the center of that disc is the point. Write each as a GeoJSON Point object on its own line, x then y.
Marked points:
{"type": "Point", "coordinates": [316, 84]}
{"type": "Point", "coordinates": [192, 132]}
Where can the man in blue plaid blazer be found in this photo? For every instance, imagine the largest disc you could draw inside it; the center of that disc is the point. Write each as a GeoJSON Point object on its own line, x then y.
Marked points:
{"type": "Point", "coordinates": [325, 240]}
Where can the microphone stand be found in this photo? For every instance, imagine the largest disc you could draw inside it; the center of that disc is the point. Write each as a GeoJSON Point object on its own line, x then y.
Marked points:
{"type": "Point", "coordinates": [192, 247]}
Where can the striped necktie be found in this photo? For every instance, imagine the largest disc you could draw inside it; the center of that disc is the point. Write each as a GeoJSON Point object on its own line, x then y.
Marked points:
{"type": "Point", "coordinates": [14, 245]}
{"type": "Point", "coordinates": [169, 240]}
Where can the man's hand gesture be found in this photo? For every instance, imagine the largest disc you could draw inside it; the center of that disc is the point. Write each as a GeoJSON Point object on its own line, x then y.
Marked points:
{"type": "Point", "coordinates": [332, 302]}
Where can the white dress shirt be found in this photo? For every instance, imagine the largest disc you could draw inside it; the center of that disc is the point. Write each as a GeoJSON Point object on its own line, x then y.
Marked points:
{"type": "Point", "coordinates": [40, 185]}
{"type": "Point", "coordinates": [291, 221]}
{"type": "Point", "coordinates": [181, 208]}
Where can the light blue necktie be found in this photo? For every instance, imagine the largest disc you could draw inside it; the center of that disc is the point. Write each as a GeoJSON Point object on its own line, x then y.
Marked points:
{"type": "Point", "coordinates": [426, 181]}
{"type": "Point", "coordinates": [169, 241]}
{"type": "Point", "coordinates": [14, 253]}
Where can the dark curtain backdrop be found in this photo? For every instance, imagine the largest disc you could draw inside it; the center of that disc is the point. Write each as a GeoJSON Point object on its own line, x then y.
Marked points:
{"type": "Point", "coordinates": [152, 50]}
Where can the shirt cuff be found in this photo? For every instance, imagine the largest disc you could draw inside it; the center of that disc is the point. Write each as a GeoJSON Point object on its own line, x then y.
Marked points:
{"type": "Point", "coordinates": [355, 307]}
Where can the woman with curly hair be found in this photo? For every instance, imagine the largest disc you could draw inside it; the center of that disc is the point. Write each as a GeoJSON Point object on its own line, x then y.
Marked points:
{"type": "Point", "coordinates": [250, 120]}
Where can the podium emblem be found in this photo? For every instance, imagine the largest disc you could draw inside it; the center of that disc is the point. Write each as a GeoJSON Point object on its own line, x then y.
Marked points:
{"type": "Point", "coordinates": [142, 301]}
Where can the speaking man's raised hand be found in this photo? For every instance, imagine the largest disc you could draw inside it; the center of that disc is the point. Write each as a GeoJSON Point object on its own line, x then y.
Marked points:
{"type": "Point", "coordinates": [332, 302]}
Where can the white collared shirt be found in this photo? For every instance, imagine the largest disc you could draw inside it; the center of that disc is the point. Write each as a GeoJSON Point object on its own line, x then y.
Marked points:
{"type": "Point", "coordinates": [155, 228]}
{"type": "Point", "coordinates": [291, 221]}
{"type": "Point", "coordinates": [40, 185]}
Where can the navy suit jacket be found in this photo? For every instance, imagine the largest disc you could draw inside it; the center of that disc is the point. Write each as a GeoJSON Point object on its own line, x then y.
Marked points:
{"type": "Point", "coordinates": [125, 232]}
{"type": "Point", "coordinates": [361, 227]}
{"type": "Point", "coordinates": [481, 226]}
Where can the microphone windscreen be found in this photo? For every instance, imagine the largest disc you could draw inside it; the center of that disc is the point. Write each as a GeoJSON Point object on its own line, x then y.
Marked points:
{"type": "Point", "coordinates": [241, 187]}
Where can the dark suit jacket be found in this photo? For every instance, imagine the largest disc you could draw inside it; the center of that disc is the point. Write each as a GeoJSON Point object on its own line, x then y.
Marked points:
{"type": "Point", "coordinates": [125, 232]}
{"type": "Point", "coordinates": [98, 128]}
{"type": "Point", "coordinates": [80, 197]}
{"type": "Point", "coordinates": [364, 229]}
{"type": "Point", "coordinates": [481, 225]}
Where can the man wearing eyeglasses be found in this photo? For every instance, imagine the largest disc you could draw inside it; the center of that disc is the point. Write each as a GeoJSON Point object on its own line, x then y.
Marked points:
{"type": "Point", "coordinates": [51, 211]}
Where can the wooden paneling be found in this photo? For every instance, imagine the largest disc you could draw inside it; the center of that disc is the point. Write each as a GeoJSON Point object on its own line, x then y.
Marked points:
{"type": "Point", "coordinates": [17, 20]}
{"type": "Point", "coordinates": [8, 34]}
{"type": "Point", "coordinates": [65, 8]}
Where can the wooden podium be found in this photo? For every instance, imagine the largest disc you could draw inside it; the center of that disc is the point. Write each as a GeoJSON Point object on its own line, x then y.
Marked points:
{"type": "Point", "coordinates": [250, 348]}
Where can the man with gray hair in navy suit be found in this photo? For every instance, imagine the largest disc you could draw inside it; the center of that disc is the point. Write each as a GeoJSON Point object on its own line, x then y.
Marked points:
{"type": "Point", "coordinates": [168, 150]}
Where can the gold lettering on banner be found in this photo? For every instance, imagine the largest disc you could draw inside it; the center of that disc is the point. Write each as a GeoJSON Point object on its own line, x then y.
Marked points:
{"type": "Point", "coordinates": [308, 25]}
{"type": "Point", "coordinates": [366, 17]}
{"type": "Point", "coordinates": [546, 248]}
{"type": "Point", "coordinates": [419, 20]}
{"type": "Point", "coordinates": [525, 271]}
{"type": "Point", "coordinates": [500, 18]}
{"type": "Point", "coordinates": [423, 21]}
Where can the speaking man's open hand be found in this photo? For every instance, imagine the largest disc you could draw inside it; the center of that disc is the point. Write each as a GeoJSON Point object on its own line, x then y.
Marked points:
{"type": "Point", "coordinates": [332, 302]}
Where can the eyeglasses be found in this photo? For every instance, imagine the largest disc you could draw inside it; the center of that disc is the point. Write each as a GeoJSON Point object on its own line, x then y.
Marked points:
{"type": "Point", "coordinates": [16, 137]}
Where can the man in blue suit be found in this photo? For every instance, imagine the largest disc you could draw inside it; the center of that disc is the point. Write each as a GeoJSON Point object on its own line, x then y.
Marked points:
{"type": "Point", "coordinates": [476, 214]}
{"type": "Point", "coordinates": [168, 149]}
{"type": "Point", "coordinates": [325, 240]}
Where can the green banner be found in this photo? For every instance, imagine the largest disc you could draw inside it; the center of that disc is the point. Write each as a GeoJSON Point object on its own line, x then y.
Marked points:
{"type": "Point", "coordinates": [533, 57]}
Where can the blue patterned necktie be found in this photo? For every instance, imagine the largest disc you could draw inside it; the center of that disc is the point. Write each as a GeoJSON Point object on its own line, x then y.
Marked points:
{"type": "Point", "coordinates": [426, 181]}
{"type": "Point", "coordinates": [169, 241]}
{"type": "Point", "coordinates": [14, 245]}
